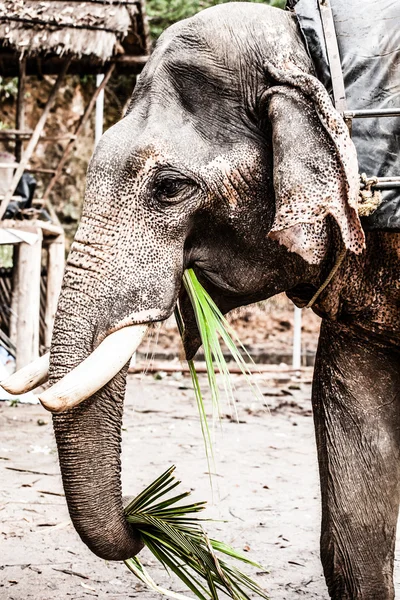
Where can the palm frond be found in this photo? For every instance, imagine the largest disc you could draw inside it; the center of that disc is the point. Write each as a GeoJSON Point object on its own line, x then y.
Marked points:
{"type": "Point", "coordinates": [178, 541]}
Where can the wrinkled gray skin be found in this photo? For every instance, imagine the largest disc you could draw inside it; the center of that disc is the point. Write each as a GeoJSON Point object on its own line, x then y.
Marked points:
{"type": "Point", "coordinates": [186, 179]}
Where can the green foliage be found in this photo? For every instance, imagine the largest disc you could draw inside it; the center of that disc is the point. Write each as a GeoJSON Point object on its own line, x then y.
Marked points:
{"type": "Point", "coordinates": [163, 13]}
{"type": "Point", "coordinates": [88, 80]}
{"type": "Point", "coordinates": [8, 87]}
{"type": "Point", "coordinates": [6, 256]}
{"type": "Point", "coordinates": [213, 328]}
{"type": "Point", "coordinates": [177, 539]}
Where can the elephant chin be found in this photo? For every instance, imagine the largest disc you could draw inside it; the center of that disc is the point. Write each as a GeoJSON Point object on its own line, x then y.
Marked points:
{"type": "Point", "coordinates": [89, 446]}
{"type": "Point", "coordinates": [191, 340]}
{"type": "Point", "coordinates": [191, 336]}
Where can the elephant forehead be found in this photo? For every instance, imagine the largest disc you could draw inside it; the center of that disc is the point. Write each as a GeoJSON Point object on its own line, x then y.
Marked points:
{"type": "Point", "coordinates": [223, 163]}
{"type": "Point", "coordinates": [231, 174]}
{"type": "Point", "coordinates": [235, 173]}
{"type": "Point", "coordinates": [244, 156]}
{"type": "Point", "coordinates": [220, 40]}
{"type": "Point", "coordinates": [135, 169]}
{"type": "Point", "coordinates": [118, 164]}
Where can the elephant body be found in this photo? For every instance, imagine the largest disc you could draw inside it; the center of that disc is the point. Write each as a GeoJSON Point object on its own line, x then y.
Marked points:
{"type": "Point", "coordinates": [231, 160]}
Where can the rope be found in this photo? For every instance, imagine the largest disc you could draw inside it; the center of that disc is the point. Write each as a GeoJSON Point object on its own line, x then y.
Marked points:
{"type": "Point", "coordinates": [368, 202]}
{"type": "Point", "coordinates": [368, 199]}
{"type": "Point", "coordinates": [327, 281]}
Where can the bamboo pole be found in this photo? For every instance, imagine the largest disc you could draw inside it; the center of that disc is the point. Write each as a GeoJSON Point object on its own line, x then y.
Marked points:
{"type": "Point", "coordinates": [55, 273]}
{"type": "Point", "coordinates": [168, 367]}
{"type": "Point", "coordinates": [98, 131]}
{"type": "Point", "coordinates": [29, 268]}
{"type": "Point", "coordinates": [48, 229]}
{"type": "Point", "coordinates": [296, 354]}
{"type": "Point", "coordinates": [14, 165]}
{"type": "Point", "coordinates": [20, 115]}
{"type": "Point", "coordinates": [81, 124]}
{"type": "Point", "coordinates": [139, 61]}
{"type": "Point", "coordinates": [12, 134]}
{"type": "Point", "coordinates": [34, 140]}
{"type": "Point", "coordinates": [14, 297]}
{"type": "Point", "coordinates": [15, 133]}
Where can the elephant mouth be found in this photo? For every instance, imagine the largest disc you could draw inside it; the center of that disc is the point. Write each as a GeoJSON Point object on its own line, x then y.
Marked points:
{"type": "Point", "coordinates": [87, 378]}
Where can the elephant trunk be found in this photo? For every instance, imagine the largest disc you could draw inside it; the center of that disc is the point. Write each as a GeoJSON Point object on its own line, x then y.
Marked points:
{"type": "Point", "coordinates": [89, 445]}
{"type": "Point", "coordinates": [89, 441]}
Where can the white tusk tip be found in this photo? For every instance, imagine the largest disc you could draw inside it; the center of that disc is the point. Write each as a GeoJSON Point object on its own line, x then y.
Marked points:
{"type": "Point", "coordinates": [29, 377]}
{"type": "Point", "coordinates": [55, 405]}
{"type": "Point", "coordinates": [7, 385]}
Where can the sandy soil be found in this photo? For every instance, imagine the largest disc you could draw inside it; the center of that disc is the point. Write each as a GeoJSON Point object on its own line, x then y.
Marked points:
{"type": "Point", "coordinates": [266, 487]}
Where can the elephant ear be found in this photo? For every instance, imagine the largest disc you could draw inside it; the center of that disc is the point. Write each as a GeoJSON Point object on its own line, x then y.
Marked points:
{"type": "Point", "coordinates": [315, 166]}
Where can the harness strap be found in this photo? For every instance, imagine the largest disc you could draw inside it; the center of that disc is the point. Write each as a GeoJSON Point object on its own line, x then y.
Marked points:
{"type": "Point", "coordinates": [332, 50]}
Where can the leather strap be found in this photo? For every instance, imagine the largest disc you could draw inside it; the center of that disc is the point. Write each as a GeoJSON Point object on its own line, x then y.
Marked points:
{"type": "Point", "coordinates": [332, 50]}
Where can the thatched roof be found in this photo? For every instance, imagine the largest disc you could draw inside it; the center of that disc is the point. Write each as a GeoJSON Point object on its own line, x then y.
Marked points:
{"type": "Point", "coordinates": [93, 31]}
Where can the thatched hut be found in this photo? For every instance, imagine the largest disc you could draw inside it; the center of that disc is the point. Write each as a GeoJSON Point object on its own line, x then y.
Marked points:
{"type": "Point", "coordinates": [50, 37]}
{"type": "Point", "coordinates": [95, 33]}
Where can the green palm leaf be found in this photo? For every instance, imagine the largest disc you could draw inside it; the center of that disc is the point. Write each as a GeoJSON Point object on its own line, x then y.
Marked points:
{"type": "Point", "coordinates": [178, 541]}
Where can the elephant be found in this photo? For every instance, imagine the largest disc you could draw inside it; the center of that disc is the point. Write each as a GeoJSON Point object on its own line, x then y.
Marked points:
{"type": "Point", "coordinates": [232, 160]}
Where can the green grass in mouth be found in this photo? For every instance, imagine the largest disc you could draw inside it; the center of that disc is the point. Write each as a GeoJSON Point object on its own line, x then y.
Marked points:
{"type": "Point", "coordinates": [213, 327]}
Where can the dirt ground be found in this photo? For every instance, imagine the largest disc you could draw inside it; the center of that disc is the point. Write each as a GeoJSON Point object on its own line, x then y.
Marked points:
{"type": "Point", "coordinates": [266, 488]}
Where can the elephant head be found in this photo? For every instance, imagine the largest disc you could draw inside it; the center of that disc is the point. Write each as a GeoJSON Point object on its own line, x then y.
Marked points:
{"type": "Point", "coordinates": [230, 160]}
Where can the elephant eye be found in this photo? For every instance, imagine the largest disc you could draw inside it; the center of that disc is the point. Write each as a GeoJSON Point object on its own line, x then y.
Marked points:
{"type": "Point", "coordinates": [173, 189]}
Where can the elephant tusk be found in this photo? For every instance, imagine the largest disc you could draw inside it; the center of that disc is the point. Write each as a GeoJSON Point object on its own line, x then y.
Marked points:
{"type": "Point", "coordinates": [95, 371]}
{"type": "Point", "coordinates": [29, 377]}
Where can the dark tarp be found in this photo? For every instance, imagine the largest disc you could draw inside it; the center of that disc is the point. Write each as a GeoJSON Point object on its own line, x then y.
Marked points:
{"type": "Point", "coordinates": [368, 34]}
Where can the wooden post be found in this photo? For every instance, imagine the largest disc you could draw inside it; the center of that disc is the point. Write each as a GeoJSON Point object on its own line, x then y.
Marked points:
{"type": "Point", "coordinates": [20, 116]}
{"type": "Point", "coordinates": [55, 273]}
{"type": "Point", "coordinates": [34, 140]}
{"type": "Point", "coordinates": [29, 268]}
{"type": "Point", "coordinates": [78, 130]}
{"type": "Point", "coordinates": [14, 297]}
